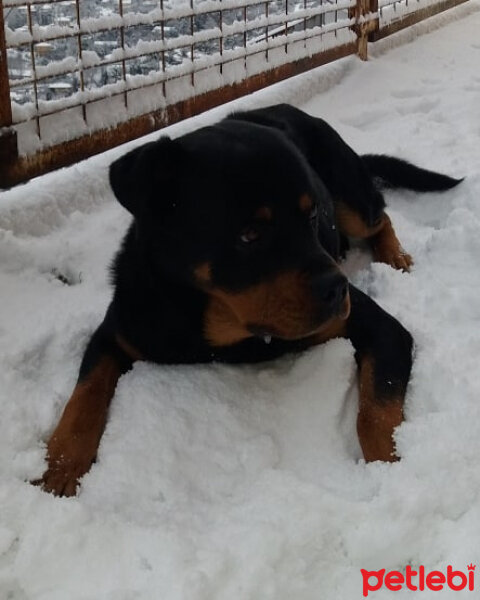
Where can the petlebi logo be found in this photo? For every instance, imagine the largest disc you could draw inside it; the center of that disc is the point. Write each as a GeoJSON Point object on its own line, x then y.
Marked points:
{"type": "Point", "coordinates": [418, 580]}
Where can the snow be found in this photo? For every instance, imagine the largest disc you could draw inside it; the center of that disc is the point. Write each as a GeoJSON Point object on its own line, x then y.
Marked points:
{"type": "Point", "coordinates": [393, 10]}
{"type": "Point", "coordinates": [220, 482]}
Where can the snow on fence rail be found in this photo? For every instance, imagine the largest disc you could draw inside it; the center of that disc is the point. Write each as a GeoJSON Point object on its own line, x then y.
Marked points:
{"type": "Point", "coordinates": [80, 76]}
{"type": "Point", "coordinates": [399, 14]}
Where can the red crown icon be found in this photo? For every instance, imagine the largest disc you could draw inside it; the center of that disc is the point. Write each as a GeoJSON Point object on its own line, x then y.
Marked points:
{"type": "Point", "coordinates": [471, 567]}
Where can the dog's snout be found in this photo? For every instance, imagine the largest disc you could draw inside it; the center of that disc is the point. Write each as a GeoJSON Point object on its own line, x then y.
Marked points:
{"type": "Point", "coordinates": [330, 288]}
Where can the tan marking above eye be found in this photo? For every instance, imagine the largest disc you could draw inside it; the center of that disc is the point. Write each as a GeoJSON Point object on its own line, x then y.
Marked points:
{"type": "Point", "coordinates": [203, 273]}
{"type": "Point", "coordinates": [305, 203]}
{"type": "Point", "coordinates": [264, 213]}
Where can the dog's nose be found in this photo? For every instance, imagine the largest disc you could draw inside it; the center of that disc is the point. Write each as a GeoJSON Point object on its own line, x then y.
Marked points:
{"type": "Point", "coordinates": [330, 288]}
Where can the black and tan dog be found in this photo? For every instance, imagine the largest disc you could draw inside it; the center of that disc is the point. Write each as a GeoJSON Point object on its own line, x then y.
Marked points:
{"type": "Point", "coordinates": [233, 255]}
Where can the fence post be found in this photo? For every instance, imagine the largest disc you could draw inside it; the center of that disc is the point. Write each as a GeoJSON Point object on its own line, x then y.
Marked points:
{"type": "Point", "coordinates": [8, 136]}
{"type": "Point", "coordinates": [365, 25]}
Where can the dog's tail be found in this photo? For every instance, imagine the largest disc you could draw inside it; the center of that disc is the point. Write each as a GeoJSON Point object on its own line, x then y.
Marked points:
{"type": "Point", "coordinates": [395, 172]}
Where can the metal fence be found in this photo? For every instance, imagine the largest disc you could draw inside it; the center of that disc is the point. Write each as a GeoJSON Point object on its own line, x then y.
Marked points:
{"type": "Point", "coordinates": [80, 76]}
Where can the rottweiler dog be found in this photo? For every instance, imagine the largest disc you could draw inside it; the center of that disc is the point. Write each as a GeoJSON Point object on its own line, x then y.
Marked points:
{"type": "Point", "coordinates": [233, 256]}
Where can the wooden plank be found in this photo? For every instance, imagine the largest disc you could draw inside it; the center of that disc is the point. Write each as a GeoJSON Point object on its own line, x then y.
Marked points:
{"type": "Point", "coordinates": [66, 153]}
{"type": "Point", "coordinates": [363, 25]}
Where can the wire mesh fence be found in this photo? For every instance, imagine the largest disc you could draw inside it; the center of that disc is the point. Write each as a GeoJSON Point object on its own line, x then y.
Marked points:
{"type": "Point", "coordinates": [395, 15]}
{"type": "Point", "coordinates": [79, 76]}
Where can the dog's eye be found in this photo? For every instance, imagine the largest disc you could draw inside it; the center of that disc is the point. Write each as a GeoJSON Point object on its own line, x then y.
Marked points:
{"type": "Point", "coordinates": [313, 213]}
{"type": "Point", "coordinates": [249, 235]}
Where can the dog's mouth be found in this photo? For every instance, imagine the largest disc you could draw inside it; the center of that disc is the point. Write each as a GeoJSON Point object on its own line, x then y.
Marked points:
{"type": "Point", "coordinates": [268, 332]}
{"type": "Point", "coordinates": [293, 306]}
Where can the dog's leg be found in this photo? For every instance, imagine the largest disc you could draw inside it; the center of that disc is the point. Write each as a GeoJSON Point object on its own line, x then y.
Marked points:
{"type": "Point", "coordinates": [387, 248]}
{"type": "Point", "coordinates": [383, 351]}
{"type": "Point", "coordinates": [73, 445]}
{"type": "Point", "coordinates": [381, 236]}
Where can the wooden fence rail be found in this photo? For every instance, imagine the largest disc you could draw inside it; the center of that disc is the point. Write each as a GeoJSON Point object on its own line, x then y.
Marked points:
{"type": "Point", "coordinates": [198, 54]}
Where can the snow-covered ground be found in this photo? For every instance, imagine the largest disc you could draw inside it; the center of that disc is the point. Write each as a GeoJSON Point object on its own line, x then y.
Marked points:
{"type": "Point", "coordinates": [236, 483]}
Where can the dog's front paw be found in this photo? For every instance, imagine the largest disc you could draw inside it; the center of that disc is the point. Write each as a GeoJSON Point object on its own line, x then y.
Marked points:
{"type": "Point", "coordinates": [68, 461]}
{"type": "Point", "coordinates": [395, 257]}
{"type": "Point", "coordinates": [387, 247]}
{"type": "Point", "coordinates": [61, 478]}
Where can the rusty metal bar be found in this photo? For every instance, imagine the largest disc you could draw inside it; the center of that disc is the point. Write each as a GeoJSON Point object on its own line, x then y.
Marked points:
{"type": "Point", "coordinates": [122, 45]}
{"type": "Point", "coordinates": [8, 135]}
{"type": "Point", "coordinates": [266, 29]}
{"type": "Point", "coordinates": [32, 59]}
{"type": "Point", "coordinates": [221, 37]}
{"type": "Point", "coordinates": [375, 24]}
{"type": "Point", "coordinates": [192, 55]}
{"type": "Point", "coordinates": [162, 33]}
{"type": "Point", "coordinates": [5, 105]}
{"type": "Point", "coordinates": [245, 36]}
{"type": "Point", "coordinates": [305, 19]}
{"type": "Point", "coordinates": [79, 42]}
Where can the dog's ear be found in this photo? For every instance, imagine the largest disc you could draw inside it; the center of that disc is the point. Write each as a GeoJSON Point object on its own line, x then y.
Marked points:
{"type": "Point", "coordinates": [145, 175]}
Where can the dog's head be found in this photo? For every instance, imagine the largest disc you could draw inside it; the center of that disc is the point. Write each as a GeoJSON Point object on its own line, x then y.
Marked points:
{"type": "Point", "coordinates": [235, 211]}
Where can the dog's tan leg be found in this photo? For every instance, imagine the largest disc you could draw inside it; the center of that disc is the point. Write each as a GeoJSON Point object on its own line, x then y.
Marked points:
{"type": "Point", "coordinates": [381, 236]}
{"type": "Point", "coordinates": [73, 445]}
{"type": "Point", "coordinates": [387, 248]}
{"type": "Point", "coordinates": [377, 416]}
{"type": "Point", "coordinates": [383, 351]}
